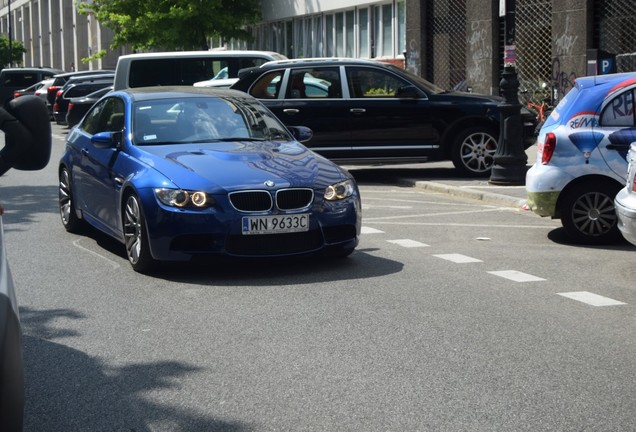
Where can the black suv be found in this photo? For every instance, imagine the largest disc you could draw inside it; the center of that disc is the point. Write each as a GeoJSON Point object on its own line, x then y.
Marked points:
{"type": "Point", "coordinates": [12, 79]}
{"type": "Point", "coordinates": [369, 112]}
{"type": "Point", "coordinates": [76, 87]}
{"type": "Point", "coordinates": [61, 79]}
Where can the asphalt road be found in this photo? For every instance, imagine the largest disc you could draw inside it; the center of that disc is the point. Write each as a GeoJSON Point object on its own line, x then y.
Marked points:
{"type": "Point", "coordinates": [452, 315]}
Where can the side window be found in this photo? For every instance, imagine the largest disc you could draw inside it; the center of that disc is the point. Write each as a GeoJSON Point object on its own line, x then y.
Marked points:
{"type": "Point", "coordinates": [373, 83]}
{"type": "Point", "coordinates": [323, 83]}
{"type": "Point", "coordinates": [620, 111]}
{"type": "Point", "coordinates": [105, 116]}
{"type": "Point", "coordinates": [267, 86]}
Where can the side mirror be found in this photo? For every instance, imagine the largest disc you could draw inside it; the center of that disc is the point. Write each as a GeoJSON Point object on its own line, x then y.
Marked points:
{"type": "Point", "coordinates": [105, 139]}
{"type": "Point", "coordinates": [27, 127]}
{"type": "Point", "coordinates": [408, 92]}
{"type": "Point", "coordinates": [301, 133]}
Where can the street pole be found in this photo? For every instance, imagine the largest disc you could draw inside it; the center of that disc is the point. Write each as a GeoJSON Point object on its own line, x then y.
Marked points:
{"type": "Point", "coordinates": [10, 36]}
{"type": "Point", "coordinates": [510, 160]}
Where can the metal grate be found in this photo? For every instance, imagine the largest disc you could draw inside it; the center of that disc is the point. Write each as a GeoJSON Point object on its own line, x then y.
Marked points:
{"type": "Point", "coordinates": [614, 30]}
{"type": "Point", "coordinates": [534, 47]}
{"type": "Point", "coordinates": [446, 37]}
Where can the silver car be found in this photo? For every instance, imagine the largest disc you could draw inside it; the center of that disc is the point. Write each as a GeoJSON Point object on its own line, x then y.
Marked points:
{"type": "Point", "coordinates": [625, 201]}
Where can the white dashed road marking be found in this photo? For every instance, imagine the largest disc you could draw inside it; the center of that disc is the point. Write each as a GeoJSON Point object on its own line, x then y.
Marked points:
{"type": "Point", "coordinates": [408, 243]}
{"type": "Point", "coordinates": [516, 276]}
{"type": "Point", "coordinates": [591, 298]}
{"type": "Point", "coordinates": [368, 230]}
{"type": "Point", "coordinates": [458, 258]}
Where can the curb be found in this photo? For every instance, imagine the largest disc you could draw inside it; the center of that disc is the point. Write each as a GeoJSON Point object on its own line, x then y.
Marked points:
{"type": "Point", "coordinates": [465, 192]}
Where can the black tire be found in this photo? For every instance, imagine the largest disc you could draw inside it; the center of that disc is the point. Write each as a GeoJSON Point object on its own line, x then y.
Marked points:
{"type": "Point", "coordinates": [136, 236]}
{"type": "Point", "coordinates": [588, 214]}
{"type": "Point", "coordinates": [473, 151]}
{"type": "Point", "coordinates": [69, 217]}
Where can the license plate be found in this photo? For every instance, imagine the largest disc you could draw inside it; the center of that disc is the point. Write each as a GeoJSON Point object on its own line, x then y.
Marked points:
{"type": "Point", "coordinates": [275, 224]}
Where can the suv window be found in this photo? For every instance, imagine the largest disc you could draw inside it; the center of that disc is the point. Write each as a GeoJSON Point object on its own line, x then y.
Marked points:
{"type": "Point", "coordinates": [373, 83]}
{"type": "Point", "coordinates": [20, 79]}
{"type": "Point", "coordinates": [186, 71]}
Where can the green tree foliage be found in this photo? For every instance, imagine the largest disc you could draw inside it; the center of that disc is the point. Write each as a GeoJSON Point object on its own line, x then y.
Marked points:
{"type": "Point", "coordinates": [172, 24]}
{"type": "Point", "coordinates": [11, 56]}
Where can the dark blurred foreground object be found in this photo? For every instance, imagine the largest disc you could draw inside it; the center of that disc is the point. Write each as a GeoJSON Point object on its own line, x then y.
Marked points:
{"type": "Point", "coordinates": [27, 129]}
{"type": "Point", "coordinates": [25, 122]}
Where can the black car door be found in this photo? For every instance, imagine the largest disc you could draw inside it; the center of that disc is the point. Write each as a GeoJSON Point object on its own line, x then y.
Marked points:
{"type": "Point", "coordinates": [388, 116]}
{"type": "Point", "coordinates": [311, 97]}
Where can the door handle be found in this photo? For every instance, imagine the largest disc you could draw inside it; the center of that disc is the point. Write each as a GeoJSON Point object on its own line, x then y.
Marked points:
{"type": "Point", "coordinates": [357, 110]}
{"type": "Point", "coordinates": [84, 152]}
{"type": "Point", "coordinates": [291, 111]}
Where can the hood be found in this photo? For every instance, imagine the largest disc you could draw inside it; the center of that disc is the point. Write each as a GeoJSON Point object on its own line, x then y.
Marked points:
{"type": "Point", "coordinates": [239, 165]}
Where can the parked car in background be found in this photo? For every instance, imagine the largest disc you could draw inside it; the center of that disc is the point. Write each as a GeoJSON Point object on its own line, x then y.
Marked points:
{"type": "Point", "coordinates": [581, 160]}
{"type": "Point", "coordinates": [203, 172]}
{"type": "Point", "coordinates": [28, 147]}
{"type": "Point", "coordinates": [41, 92]}
{"type": "Point", "coordinates": [76, 88]}
{"type": "Point", "coordinates": [61, 79]}
{"type": "Point", "coordinates": [185, 67]}
{"type": "Point", "coordinates": [29, 90]}
{"type": "Point", "coordinates": [78, 106]}
{"type": "Point", "coordinates": [369, 112]}
{"type": "Point", "coordinates": [625, 200]}
{"type": "Point", "coordinates": [12, 79]}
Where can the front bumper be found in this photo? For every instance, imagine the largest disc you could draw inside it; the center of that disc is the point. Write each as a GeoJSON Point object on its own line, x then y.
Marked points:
{"type": "Point", "coordinates": [625, 204]}
{"type": "Point", "coordinates": [179, 235]}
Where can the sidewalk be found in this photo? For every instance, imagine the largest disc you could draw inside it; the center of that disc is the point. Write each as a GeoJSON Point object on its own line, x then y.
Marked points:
{"type": "Point", "coordinates": [441, 177]}
{"type": "Point", "coordinates": [506, 196]}
{"type": "Point", "coordinates": [481, 189]}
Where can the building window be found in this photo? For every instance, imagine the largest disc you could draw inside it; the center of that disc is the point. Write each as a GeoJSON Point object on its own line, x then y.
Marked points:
{"type": "Point", "coordinates": [363, 32]}
{"type": "Point", "coordinates": [366, 32]}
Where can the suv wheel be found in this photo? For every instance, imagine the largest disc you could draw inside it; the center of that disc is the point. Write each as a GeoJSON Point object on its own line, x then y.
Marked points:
{"type": "Point", "coordinates": [473, 151]}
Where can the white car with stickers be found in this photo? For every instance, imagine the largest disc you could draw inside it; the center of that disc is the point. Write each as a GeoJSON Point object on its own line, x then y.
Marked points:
{"type": "Point", "coordinates": [581, 159]}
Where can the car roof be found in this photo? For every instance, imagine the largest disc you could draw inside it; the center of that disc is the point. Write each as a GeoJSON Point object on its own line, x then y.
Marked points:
{"type": "Point", "coordinates": [323, 61]}
{"type": "Point", "coordinates": [30, 69]}
{"type": "Point", "coordinates": [176, 92]}
{"type": "Point", "coordinates": [224, 53]}
{"type": "Point", "coordinates": [594, 80]}
{"type": "Point", "coordinates": [95, 77]}
{"type": "Point", "coordinates": [82, 73]}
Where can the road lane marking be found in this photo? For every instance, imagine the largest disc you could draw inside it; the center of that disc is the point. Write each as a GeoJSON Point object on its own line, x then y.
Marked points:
{"type": "Point", "coordinates": [467, 225]}
{"type": "Point", "coordinates": [111, 262]}
{"type": "Point", "coordinates": [368, 230]}
{"type": "Point", "coordinates": [408, 243]}
{"type": "Point", "coordinates": [516, 276]}
{"type": "Point", "coordinates": [458, 258]}
{"type": "Point", "coordinates": [393, 207]}
{"type": "Point", "coordinates": [490, 210]}
{"type": "Point", "coordinates": [591, 298]}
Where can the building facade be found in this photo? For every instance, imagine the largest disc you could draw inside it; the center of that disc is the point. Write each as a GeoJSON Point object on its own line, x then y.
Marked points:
{"type": "Point", "coordinates": [453, 43]}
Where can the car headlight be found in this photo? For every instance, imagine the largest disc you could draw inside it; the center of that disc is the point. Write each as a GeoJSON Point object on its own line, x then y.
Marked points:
{"type": "Point", "coordinates": [340, 190]}
{"type": "Point", "coordinates": [183, 198]}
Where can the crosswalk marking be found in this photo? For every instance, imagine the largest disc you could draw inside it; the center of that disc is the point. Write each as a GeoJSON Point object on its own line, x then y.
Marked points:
{"type": "Point", "coordinates": [408, 243]}
{"type": "Point", "coordinates": [458, 258]}
{"type": "Point", "coordinates": [369, 230]}
{"type": "Point", "coordinates": [591, 298]}
{"type": "Point", "coordinates": [516, 276]}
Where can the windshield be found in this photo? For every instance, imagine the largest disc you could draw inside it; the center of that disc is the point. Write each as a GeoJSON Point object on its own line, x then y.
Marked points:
{"type": "Point", "coordinates": [204, 119]}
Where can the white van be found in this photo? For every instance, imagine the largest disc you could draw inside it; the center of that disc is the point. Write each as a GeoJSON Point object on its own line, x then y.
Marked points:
{"type": "Point", "coordinates": [185, 67]}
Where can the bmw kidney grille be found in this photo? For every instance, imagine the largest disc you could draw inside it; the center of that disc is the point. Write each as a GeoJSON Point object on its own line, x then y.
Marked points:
{"type": "Point", "coordinates": [261, 201]}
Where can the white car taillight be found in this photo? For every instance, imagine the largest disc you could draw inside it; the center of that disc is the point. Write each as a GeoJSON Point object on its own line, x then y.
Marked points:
{"type": "Point", "coordinates": [547, 148]}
